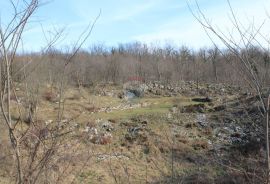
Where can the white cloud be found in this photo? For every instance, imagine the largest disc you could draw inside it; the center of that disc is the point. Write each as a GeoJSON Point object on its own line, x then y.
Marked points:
{"type": "Point", "coordinates": [186, 30]}
{"type": "Point", "coordinates": [134, 10]}
{"type": "Point", "coordinates": [171, 20]}
{"type": "Point", "coordinates": [187, 35]}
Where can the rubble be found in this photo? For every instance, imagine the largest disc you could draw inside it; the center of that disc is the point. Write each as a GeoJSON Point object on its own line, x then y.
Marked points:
{"type": "Point", "coordinates": [137, 131]}
{"type": "Point", "coordinates": [122, 107]}
{"type": "Point", "coordinates": [100, 133]}
{"type": "Point", "coordinates": [107, 126]}
{"type": "Point", "coordinates": [189, 88]}
{"type": "Point", "coordinates": [103, 157]}
{"type": "Point", "coordinates": [202, 120]}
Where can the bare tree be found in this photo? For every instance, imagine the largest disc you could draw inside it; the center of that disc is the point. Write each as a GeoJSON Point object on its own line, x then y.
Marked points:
{"type": "Point", "coordinates": [239, 45]}
{"type": "Point", "coordinates": [213, 54]}
{"type": "Point", "coordinates": [10, 37]}
{"type": "Point", "coordinates": [36, 144]}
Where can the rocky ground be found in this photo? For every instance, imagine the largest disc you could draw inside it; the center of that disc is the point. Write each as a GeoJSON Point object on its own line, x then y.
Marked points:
{"type": "Point", "coordinates": [154, 133]}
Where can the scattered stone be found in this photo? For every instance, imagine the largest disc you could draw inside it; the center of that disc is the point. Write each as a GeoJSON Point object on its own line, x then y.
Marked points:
{"type": "Point", "coordinates": [103, 157]}
{"type": "Point", "coordinates": [137, 134]}
{"type": "Point", "coordinates": [134, 89]}
{"type": "Point", "coordinates": [48, 122]}
{"type": "Point", "coordinates": [107, 126]}
{"type": "Point", "coordinates": [174, 110]}
{"type": "Point", "coordinates": [202, 120]}
{"type": "Point", "coordinates": [128, 95]}
{"type": "Point", "coordinates": [169, 116]}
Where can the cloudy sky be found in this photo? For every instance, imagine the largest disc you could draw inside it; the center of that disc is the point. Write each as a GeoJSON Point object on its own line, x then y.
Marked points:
{"type": "Point", "coordinates": [148, 21]}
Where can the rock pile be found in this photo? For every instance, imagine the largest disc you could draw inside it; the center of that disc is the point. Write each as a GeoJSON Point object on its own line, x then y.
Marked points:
{"type": "Point", "coordinates": [190, 88]}
{"type": "Point", "coordinates": [102, 157]}
{"type": "Point", "coordinates": [137, 132]}
{"type": "Point", "coordinates": [100, 134]}
{"type": "Point", "coordinates": [122, 107]}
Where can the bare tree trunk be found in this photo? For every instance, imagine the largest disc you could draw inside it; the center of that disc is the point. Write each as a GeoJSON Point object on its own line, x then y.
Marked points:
{"type": "Point", "coordinates": [267, 140]}
{"type": "Point", "coordinates": [215, 70]}
{"type": "Point", "coordinates": [13, 139]}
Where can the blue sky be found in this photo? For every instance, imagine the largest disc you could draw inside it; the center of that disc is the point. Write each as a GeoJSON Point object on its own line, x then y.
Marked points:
{"type": "Point", "coordinates": [148, 21]}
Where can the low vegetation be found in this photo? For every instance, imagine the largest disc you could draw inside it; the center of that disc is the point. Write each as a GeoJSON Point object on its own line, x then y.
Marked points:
{"type": "Point", "coordinates": [133, 113]}
{"type": "Point", "coordinates": [154, 138]}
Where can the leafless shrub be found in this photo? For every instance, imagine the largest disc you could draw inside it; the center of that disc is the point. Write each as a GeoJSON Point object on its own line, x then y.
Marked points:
{"type": "Point", "coordinates": [37, 148]}
{"type": "Point", "coordinates": [248, 52]}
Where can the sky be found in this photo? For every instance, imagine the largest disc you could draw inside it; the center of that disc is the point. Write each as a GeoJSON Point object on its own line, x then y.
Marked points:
{"type": "Point", "coordinates": [157, 22]}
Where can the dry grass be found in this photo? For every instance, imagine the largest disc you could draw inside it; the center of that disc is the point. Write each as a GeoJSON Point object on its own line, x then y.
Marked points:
{"type": "Point", "coordinates": [147, 158]}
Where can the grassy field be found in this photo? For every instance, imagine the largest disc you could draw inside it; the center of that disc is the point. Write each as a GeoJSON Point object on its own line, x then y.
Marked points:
{"type": "Point", "coordinates": [151, 139]}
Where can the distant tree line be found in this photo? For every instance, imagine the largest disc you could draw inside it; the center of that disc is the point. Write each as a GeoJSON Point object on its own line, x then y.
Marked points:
{"type": "Point", "coordinates": [168, 64]}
